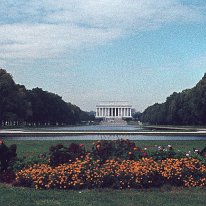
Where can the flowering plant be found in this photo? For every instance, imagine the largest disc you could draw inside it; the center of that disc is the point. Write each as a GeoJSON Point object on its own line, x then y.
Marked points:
{"type": "Point", "coordinates": [117, 149]}
{"type": "Point", "coordinates": [60, 154]}
{"type": "Point", "coordinates": [119, 174]}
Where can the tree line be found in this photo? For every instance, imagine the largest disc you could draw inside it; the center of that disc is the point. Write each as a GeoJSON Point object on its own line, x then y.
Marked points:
{"type": "Point", "coordinates": [19, 105]}
{"type": "Point", "coordinates": [185, 108]}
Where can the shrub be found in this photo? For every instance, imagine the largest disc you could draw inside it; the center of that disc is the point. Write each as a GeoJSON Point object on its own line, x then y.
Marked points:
{"type": "Point", "coordinates": [162, 153]}
{"type": "Point", "coordinates": [29, 160]}
{"type": "Point", "coordinates": [60, 154]}
{"type": "Point", "coordinates": [117, 149]}
{"type": "Point", "coordinates": [7, 156]}
{"type": "Point", "coordinates": [7, 159]}
{"type": "Point", "coordinates": [103, 150]}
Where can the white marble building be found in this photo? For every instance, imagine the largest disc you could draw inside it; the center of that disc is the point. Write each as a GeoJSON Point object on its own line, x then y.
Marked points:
{"type": "Point", "coordinates": [114, 109]}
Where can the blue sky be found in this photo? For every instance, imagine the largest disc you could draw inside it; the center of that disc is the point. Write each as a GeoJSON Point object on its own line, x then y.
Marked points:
{"type": "Point", "coordinates": [88, 51]}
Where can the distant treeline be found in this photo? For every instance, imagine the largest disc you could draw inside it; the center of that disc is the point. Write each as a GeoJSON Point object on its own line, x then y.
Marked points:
{"type": "Point", "coordinates": [185, 108]}
{"type": "Point", "coordinates": [35, 107]}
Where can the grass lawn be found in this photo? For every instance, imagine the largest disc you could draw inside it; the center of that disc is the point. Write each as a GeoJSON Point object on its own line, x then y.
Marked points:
{"type": "Point", "coordinates": [170, 196]}
{"type": "Point", "coordinates": [37, 147]}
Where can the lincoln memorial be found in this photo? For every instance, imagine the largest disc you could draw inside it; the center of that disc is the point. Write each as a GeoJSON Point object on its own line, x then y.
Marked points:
{"type": "Point", "coordinates": [114, 109]}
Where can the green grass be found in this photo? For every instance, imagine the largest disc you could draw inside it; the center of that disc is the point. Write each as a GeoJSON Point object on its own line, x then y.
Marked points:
{"type": "Point", "coordinates": [10, 196]}
{"type": "Point", "coordinates": [37, 147]}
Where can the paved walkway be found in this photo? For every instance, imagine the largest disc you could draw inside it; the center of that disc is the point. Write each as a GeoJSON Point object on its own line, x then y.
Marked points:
{"type": "Point", "coordinates": [18, 133]}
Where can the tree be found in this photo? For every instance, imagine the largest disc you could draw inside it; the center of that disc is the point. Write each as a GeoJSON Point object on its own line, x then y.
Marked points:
{"type": "Point", "coordinates": [13, 103]}
{"type": "Point", "coordinates": [187, 107]}
{"type": "Point", "coordinates": [35, 106]}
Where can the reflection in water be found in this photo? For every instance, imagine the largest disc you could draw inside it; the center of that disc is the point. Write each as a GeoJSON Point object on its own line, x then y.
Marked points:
{"type": "Point", "coordinates": [108, 137]}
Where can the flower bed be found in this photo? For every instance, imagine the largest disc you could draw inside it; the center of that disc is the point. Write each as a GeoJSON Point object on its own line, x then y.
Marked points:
{"type": "Point", "coordinates": [89, 173]}
{"type": "Point", "coordinates": [113, 164]}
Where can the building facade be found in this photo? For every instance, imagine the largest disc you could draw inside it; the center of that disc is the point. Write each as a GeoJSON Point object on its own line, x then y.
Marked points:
{"type": "Point", "coordinates": [114, 109]}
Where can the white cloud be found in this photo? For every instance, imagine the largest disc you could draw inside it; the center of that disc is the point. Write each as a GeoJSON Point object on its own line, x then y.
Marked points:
{"type": "Point", "coordinates": [48, 40]}
{"type": "Point", "coordinates": [50, 28]}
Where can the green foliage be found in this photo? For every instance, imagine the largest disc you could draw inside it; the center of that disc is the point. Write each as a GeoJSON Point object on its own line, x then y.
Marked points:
{"type": "Point", "coordinates": [50, 108]}
{"type": "Point", "coordinates": [61, 154]}
{"type": "Point", "coordinates": [13, 103]}
{"type": "Point", "coordinates": [117, 149]}
{"type": "Point", "coordinates": [185, 108]}
{"type": "Point", "coordinates": [34, 107]}
{"type": "Point", "coordinates": [7, 159]}
{"type": "Point", "coordinates": [118, 174]}
{"type": "Point", "coordinates": [7, 156]}
{"type": "Point", "coordinates": [30, 159]}
{"type": "Point", "coordinates": [203, 152]}
{"type": "Point", "coordinates": [162, 153]}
